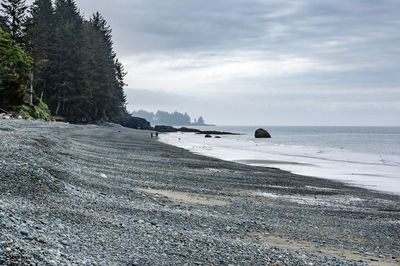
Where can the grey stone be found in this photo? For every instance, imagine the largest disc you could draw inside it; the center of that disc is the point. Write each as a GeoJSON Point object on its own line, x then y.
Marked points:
{"type": "Point", "coordinates": [24, 232]}
{"type": "Point", "coordinates": [262, 133]}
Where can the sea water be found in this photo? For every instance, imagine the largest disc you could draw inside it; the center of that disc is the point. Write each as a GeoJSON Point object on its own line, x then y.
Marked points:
{"type": "Point", "coordinates": [361, 156]}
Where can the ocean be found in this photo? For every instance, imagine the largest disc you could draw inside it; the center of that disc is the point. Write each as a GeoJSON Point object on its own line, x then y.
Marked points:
{"type": "Point", "coordinates": [362, 156]}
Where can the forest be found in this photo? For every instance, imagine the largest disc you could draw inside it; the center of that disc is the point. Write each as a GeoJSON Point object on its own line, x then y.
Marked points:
{"type": "Point", "coordinates": [54, 60]}
{"type": "Point", "coordinates": [170, 119]}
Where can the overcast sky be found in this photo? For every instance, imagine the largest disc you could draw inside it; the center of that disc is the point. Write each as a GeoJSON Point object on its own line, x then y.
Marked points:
{"type": "Point", "coordinates": [260, 62]}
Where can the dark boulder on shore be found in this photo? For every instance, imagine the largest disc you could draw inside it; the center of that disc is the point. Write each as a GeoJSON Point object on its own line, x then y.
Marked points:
{"type": "Point", "coordinates": [170, 129]}
{"type": "Point", "coordinates": [262, 133]}
{"type": "Point", "coordinates": [208, 132]}
{"type": "Point", "coordinates": [208, 136]}
{"type": "Point", "coordinates": [134, 122]}
{"type": "Point", "coordinates": [190, 130]}
{"type": "Point", "coordinates": [165, 129]}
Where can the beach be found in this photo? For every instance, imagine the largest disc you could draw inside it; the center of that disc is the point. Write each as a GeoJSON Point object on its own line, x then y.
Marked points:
{"type": "Point", "coordinates": [368, 157]}
{"type": "Point", "coordinates": [104, 194]}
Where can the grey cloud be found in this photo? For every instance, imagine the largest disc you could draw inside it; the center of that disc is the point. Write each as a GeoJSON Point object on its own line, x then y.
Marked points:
{"type": "Point", "coordinates": [359, 38]}
{"type": "Point", "coordinates": [304, 27]}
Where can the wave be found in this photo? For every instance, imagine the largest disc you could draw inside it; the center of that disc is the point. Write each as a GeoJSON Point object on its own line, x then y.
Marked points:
{"type": "Point", "coordinates": [372, 170]}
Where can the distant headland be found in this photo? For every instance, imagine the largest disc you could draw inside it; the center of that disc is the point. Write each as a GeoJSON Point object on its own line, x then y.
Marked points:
{"type": "Point", "coordinates": [170, 119]}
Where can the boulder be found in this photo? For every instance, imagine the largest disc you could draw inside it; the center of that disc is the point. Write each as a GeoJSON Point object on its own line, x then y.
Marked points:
{"type": "Point", "coordinates": [262, 133]}
{"type": "Point", "coordinates": [165, 129]}
{"type": "Point", "coordinates": [134, 122]}
{"type": "Point", "coordinates": [212, 132]}
{"type": "Point", "coordinates": [190, 130]}
{"type": "Point", "coordinates": [208, 136]}
{"type": "Point", "coordinates": [5, 116]}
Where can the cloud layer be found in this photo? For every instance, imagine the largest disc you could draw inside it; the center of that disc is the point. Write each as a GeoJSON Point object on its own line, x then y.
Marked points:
{"type": "Point", "coordinates": [302, 60]}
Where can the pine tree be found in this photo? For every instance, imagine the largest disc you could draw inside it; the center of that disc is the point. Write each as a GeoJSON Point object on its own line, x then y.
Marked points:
{"type": "Point", "coordinates": [15, 68]}
{"type": "Point", "coordinates": [75, 66]}
{"type": "Point", "coordinates": [108, 80]}
{"type": "Point", "coordinates": [39, 40]}
{"type": "Point", "coordinates": [68, 95]}
{"type": "Point", "coordinates": [200, 120]}
{"type": "Point", "coordinates": [14, 15]}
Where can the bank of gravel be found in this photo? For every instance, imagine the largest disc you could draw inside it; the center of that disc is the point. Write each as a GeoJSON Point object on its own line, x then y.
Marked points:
{"type": "Point", "coordinates": [105, 194]}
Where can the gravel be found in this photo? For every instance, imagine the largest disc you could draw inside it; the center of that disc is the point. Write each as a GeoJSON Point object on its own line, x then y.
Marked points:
{"type": "Point", "coordinates": [103, 194]}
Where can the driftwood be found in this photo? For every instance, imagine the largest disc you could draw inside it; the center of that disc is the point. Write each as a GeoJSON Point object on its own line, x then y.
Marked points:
{"type": "Point", "coordinates": [1, 109]}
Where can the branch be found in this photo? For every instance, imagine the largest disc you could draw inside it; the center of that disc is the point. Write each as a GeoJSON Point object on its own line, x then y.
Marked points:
{"type": "Point", "coordinates": [3, 110]}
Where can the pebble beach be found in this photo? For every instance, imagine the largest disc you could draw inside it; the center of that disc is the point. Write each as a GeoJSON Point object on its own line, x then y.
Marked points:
{"type": "Point", "coordinates": [108, 195]}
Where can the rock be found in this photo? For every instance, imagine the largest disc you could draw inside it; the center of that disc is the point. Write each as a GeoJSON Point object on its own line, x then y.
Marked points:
{"type": "Point", "coordinates": [208, 136]}
{"type": "Point", "coordinates": [64, 242]}
{"type": "Point", "coordinates": [217, 137]}
{"type": "Point", "coordinates": [165, 129]}
{"type": "Point", "coordinates": [213, 132]}
{"type": "Point", "coordinates": [5, 116]}
{"type": "Point", "coordinates": [134, 122]}
{"type": "Point", "coordinates": [103, 175]}
{"type": "Point", "coordinates": [24, 232]}
{"type": "Point", "coordinates": [190, 130]}
{"type": "Point", "coordinates": [262, 133]}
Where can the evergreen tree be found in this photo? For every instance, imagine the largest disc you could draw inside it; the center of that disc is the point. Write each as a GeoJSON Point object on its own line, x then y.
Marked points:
{"type": "Point", "coordinates": [3, 23]}
{"type": "Point", "coordinates": [200, 120]}
{"type": "Point", "coordinates": [108, 80]}
{"type": "Point", "coordinates": [15, 68]}
{"type": "Point", "coordinates": [75, 67]}
{"type": "Point", "coordinates": [67, 95]}
{"type": "Point", "coordinates": [14, 14]}
{"type": "Point", "coordinates": [40, 37]}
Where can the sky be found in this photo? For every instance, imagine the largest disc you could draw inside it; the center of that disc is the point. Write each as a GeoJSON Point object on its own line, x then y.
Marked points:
{"type": "Point", "coordinates": [260, 62]}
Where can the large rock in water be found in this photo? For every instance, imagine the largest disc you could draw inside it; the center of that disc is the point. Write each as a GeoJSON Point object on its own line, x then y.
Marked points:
{"type": "Point", "coordinates": [262, 133]}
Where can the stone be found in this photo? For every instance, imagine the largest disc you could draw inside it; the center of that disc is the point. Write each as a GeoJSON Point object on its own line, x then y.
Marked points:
{"type": "Point", "coordinates": [165, 129]}
{"type": "Point", "coordinates": [24, 232]}
{"type": "Point", "coordinates": [190, 130]}
{"type": "Point", "coordinates": [262, 133]}
{"type": "Point", "coordinates": [103, 175]}
{"type": "Point", "coordinates": [134, 122]}
{"type": "Point", "coordinates": [208, 136]}
{"type": "Point", "coordinates": [64, 242]}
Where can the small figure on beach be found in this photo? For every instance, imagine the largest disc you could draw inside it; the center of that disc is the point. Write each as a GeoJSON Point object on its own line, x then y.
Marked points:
{"type": "Point", "coordinates": [156, 134]}
{"type": "Point", "coordinates": [151, 135]}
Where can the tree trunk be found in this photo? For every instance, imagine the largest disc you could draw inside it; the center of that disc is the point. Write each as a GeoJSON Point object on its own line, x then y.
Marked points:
{"type": "Point", "coordinates": [58, 107]}
{"type": "Point", "coordinates": [31, 96]}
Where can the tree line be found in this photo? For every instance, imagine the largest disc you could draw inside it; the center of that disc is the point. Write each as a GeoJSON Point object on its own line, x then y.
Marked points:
{"type": "Point", "coordinates": [170, 119]}
{"type": "Point", "coordinates": [69, 62]}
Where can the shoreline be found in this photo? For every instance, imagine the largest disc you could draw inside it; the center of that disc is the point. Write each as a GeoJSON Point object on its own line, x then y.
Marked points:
{"type": "Point", "coordinates": [354, 168]}
{"type": "Point", "coordinates": [107, 194]}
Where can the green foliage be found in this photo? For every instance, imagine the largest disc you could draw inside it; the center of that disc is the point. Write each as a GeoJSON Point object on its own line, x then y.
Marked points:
{"type": "Point", "coordinates": [14, 18]}
{"type": "Point", "coordinates": [40, 111]}
{"type": "Point", "coordinates": [15, 68]}
{"type": "Point", "coordinates": [75, 69]}
{"type": "Point", "coordinates": [24, 111]}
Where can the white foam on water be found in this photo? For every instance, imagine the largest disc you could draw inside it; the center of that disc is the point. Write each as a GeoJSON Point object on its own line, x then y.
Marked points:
{"type": "Point", "coordinates": [371, 170]}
